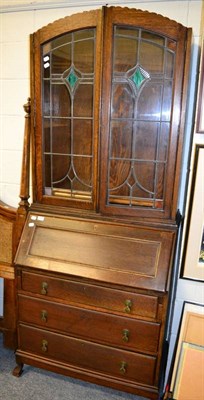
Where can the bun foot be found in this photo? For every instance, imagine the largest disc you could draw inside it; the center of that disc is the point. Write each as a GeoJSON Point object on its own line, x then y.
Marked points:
{"type": "Point", "coordinates": [18, 370]}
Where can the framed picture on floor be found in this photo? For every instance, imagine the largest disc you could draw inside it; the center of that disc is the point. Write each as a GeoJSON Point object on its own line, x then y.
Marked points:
{"type": "Point", "coordinates": [191, 331]}
{"type": "Point", "coordinates": [189, 382]}
{"type": "Point", "coordinates": [193, 254]}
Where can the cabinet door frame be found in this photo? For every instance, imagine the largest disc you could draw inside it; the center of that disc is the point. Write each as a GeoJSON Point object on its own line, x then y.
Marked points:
{"type": "Point", "coordinates": [182, 35]}
{"type": "Point", "coordinates": [92, 19]}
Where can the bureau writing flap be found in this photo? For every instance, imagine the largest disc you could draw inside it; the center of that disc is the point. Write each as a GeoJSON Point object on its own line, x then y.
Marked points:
{"type": "Point", "coordinates": [108, 252]}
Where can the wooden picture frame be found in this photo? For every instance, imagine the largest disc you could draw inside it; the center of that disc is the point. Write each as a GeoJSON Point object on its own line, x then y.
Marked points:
{"type": "Point", "coordinates": [189, 383]}
{"type": "Point", "coordinates": [200, 104]}
{"type": "Point", "coordinates": [193, 254]}
{"type": "Point", "coordinates": [191, 331]}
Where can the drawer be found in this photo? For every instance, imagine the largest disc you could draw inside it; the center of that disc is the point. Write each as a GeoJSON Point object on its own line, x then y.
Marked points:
{"type": "Point", "coordinates": [131, 304]}
{"type": "Point", "coordinates": [100, 327]}
{"type": "Point", "coordinates": [86, 355]}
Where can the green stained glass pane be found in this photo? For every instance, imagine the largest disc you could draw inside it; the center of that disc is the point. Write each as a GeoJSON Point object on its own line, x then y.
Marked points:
{"type": "Point", "coordinates": [138, 78]}
{"type": "Point", "coordinates": [72, 79]}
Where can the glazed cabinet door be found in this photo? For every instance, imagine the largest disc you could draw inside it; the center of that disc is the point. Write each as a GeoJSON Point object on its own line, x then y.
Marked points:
{"type": "Point", "coordinates": [66, 86]}
{"type": "Point", "coordinates": [143, 81]}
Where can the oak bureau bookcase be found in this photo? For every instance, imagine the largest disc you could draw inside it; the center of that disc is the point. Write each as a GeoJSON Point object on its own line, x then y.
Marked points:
{"type": "Point", "coordinates": [108, 92]}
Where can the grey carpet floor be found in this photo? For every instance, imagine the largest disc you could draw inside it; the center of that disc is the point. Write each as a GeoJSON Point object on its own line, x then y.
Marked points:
{"type": "Point", "coordinates": [36, 384]}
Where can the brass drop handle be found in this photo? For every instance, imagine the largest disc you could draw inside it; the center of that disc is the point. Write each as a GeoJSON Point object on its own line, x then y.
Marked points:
{"type": "Point", "coordinates": [44, 346]}
{"type": "Point", "coordinates": [125, 335]}
{"type": "Point", "coordinates": [123, 367]}
{"type": "Point", "coordinates": [128, 306]}
{"type": "Point", "coordinates": [43, 315]}
{"type": "Point", "coordinates": [44, 287]}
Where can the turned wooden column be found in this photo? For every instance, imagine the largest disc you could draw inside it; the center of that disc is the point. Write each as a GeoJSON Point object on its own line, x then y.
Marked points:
{"type": "Point", "coordinates": [25, 176]}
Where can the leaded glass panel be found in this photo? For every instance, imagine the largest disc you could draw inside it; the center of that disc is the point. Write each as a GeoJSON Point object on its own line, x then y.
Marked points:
{"type": "Point", "coordinates": [141, 100]}
{"type": "Point", "coordinates": [68, 64]}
